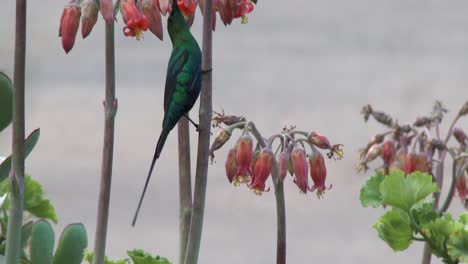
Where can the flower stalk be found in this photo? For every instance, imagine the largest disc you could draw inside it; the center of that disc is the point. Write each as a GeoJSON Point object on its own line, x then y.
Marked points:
{"type": "Point", "coordinates": [13, 243]}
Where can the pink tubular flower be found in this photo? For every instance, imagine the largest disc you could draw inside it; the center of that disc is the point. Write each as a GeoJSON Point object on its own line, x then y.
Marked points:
{"type": "Point", "coordinates": [244, 157]}
{"type": "Point", "coordinates": [243, 7]}
{"type": "Point", "coordinates": [298, 158]}
{"type": "Point", "coordinates": [69, 23]}
{"type": "Point", "coordinates": [388, 152]}
{"type": "Point", "coordinates": [107, 11]}
{"type": "Point", "coordinates": [151, 10]}
{"type": "Point", "coordinates": [136, 22]}
{"type": "Point", "coordinates": [187, 7]}
{"type": "Point", "coordinates": [262, 170]}
{"type": "Point", "coordinates": [165, 6]}
{"type": "Point", "coordinates": [90, 10]}
{"type": "Point", "coordinates": [322, 142]}
{"type": "Point", "coordinates": [231, 165]}
{"type": "Point", "coordinates": [318, 173]}
{"type": "Point", "coordinates": [283, 164]}
{"type": "Point", "coordinates": [462, 188]}
{"type": "Point", "coordinates": [415, 162]}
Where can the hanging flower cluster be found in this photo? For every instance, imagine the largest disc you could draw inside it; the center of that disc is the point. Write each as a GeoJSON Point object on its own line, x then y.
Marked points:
{"type": "Point", "coordinates": [283, 152]}
{"type": "Point", "coordinates": [413, 147]}
{"type": "Point", "coordinates": [141, 15]}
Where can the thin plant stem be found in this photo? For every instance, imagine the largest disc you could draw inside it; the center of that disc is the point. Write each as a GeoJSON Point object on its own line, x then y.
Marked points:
{"type": "Point", "coordinates": [13, 243]}
{"type": "Point", "coordinates": [205, 112]}
{"type": "Point", "coordinates": [280, 203]}
{"type": "Point", "coordinates": [110, 110]}
{"type": "Point", "coordinates": [185, 186]}
{"type": "Point", "coordinates": [456, 175]}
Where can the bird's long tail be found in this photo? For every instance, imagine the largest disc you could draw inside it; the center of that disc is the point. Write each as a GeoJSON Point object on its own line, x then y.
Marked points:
{"type": "Point", "coordinates": [157, 152]}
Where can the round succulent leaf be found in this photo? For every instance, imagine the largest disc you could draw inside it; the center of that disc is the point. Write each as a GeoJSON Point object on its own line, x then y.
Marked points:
{"type": "Point", "coordinates": [71, 246]}
{"type": "Point", "coordinates": [6, 101]}
{"type": "Point", "coordinates": [41, 246]}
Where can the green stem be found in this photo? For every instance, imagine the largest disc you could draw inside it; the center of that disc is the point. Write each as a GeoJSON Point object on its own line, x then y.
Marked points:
{"type": "Point", "coordinates": [280, 204]}
{"type": "Point", "coordinates": [185, 186]}
{"type": "Point", "coordinates": [456, 175]}
{"type": "Point", "coordinates": [205, 112]}
{"type": "Point", "coordinates": [13, 243]}
{"type": "Point", "coordinates": [110, 111]}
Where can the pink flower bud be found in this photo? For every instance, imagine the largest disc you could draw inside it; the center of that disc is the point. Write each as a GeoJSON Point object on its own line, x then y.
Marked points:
{"type": "Point", "coordinates": [388, 152]}
{"type": "Point", "coordinates": [151, 10]}
{"type": "Point", "coordinates": [318, 140]}
{"type": "Point", "coordinates": [415, 162]}
{"type": "Point", "coordinates": [262, 170]}
{"type": "Point", "coordinates": [298, 158]}
{"type": "Point", "coordinates": [318, 172]}
{"type": "Point", "coordinates": [165, 6]}
{"type": "Point", "coordinates": [69, 23]}
{"type": "Point", "coordinates": [187, 7]}
{"type": "Point", "coordinates": [231, 165]}
{"type": "Point", "coordinates": [462, 188]}
{"type": "Point", "coordinates": [460, 136]}
{"type": "Point", "coordinates": [283, 164]}
{"type": "Point", "coordinates": [244, 157]}
{"type": "Point", "coordinates": [90, 10]}
{"type": "Point", "coordinates": [136, 22]}
{"type": "Point", "coordinates": [107, 11]}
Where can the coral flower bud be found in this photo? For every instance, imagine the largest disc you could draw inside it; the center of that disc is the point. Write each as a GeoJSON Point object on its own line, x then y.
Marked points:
{"type": "Point", "coordinates": [90, 10]}
{"type": "Point", "coordinates": [388, 152]}
{"type": "Point", "coordinates": [187, 7]}
{"type": "Point", "coordinates": [318, 140]}
{"type": "Point", "coordinates": [165, 6]}
{"type": "Point", "coordinates": [231, 165]}
{"type": "Point", "coordinates": [318, 173]}
{"type": "Point", "coordinates": [136, 22]}
{"type": "Point", "coordinates": [151, 10]}
{"type": "Point", "coordinates": [462, 188]}
{"type": "Point", "coordinates": [283, 164]}
{"type": "Point", "coordinates": [262, 170]}
{"type": "Point", "coordinates": [244, 157]}
{"type": "Point", "coordinates": [415, 162]}
{"type": "Point", "coordinates": [69, 23]}
{"type": "Point", "coordinates": [298, 158]}
{"type": "Point", "coordinates": [107, 11]}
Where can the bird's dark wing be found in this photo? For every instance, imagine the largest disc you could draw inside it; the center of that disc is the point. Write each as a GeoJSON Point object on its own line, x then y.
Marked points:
{"type": "Point", "coordinates": [177, 61]}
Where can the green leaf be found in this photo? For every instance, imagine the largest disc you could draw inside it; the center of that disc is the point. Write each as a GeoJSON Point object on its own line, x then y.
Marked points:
{"type": "Point", "coordinates": [3, 199]}
{"type": "Point", "coordinates": [141, 257]}
{"type": "Point", "coordinates": [394, 228]}
{"type": "Point", "coordinates": [457, 245]}
{"type": "Point", "coordinates": [26, 234]}
{"type": "Point", "coordinates": [72, 244]}
{"type": "Point", "coordinates": [370, 191]}
{"type": "Point", "coordinates": [424, 213]}
{"type": "Point", "coordinates": [89, 258]}
{"type": "Point", "coordinates": [403, 192]}
{"type": "Point", "coordinates": [6, 101]}
{"type": "Point", "coordinates": [463, 219]}
{"type": "Point", "coordinates": [42, 243]}
{"type": "Point", "coordinates": [29, 145]}
{"type": "Point", "coordinates": [439, 232]}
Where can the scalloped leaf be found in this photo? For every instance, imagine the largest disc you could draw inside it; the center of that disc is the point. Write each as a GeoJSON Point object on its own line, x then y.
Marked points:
{"type": "Point", "coordinates": [403, 191]}
{"type": "Point", "coordinates": [395, 229]}
{"type": "Point", "coordinates": [72, 244]}
{"type": "Point", "coordinates": [370, 192]}
{"type": "Point", "coordinates": [139, 256]}
{"type": "Point", "coordinates": [457, 245]}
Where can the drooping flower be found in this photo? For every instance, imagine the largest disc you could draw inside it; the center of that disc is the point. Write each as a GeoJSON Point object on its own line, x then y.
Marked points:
{"type": "Point", "coordinates": [283, 164]}
{"type": "Point", "coordinates": [187, 7]}
{"type": "Point", "coordinates": [388, 152]}
{"type": "Point", "coordinates": [69, 23]}
{"type": "Point", "coordinates": [460, 136]}
{"type": "Point", "coordinates": [298, 158]}
{"type": "Point", "coordinates": [244, 157]}
{"type": "Point", "coordinates": [322, 142]}
{"type": "Point", "coordinates": [151, 10]}
{"type": "Point", "coordinates": [462, 188]}
{"type": "Point", "coordinates": [242, 8]}
{"type": "Point", "coordinates": [231, 165]}
{"type": "Point", "coordinates": [221, 138]}
{"type": "Point", "coordinates": [318, 172]}
{"type": "Point", "coordinates": [262, 170]}
{"type": "Point", "coordinates": [415, 162]}
{"type": "Point", "coordinates": [90, 10]}
{"type": "Point", "coordinates": [136, 22]}
{"type": "Point", "coordinates": [373, 152]}
{"type": "Point", "coordinates": [107, 11]}
{"type": "Point", "coordinates": [165, 6]}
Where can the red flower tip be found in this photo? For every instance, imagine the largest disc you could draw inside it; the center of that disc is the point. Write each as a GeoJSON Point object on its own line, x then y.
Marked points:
{"type": "Point", "coordinates": [244, 157]}
{"type": "Point", "coordinates": [262, 170]}
{"type": "Point", "coordinates": [388, 152]}
{"type": "Point", "coordinates": [298, 158]}
{"type": "Point", "coordinates": [231, 165]}
{"type": "Point", "coordinates": [462, 188]}
{"type": "Point", "coordinates": [187, 7]}
{"type": "Point", "coordinates": [69, 23]}
{"type": "Point", "coordinates": [318, 173]}
{"type": "Point", "coordinates": [243, 7]}
{"type": "Point", "coordinates": [415, 162]}
{"type": "Point", "coordinates": [136, 22]}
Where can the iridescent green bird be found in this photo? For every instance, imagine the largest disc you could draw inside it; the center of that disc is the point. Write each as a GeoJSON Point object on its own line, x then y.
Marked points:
{"type": "Point", "coordinates": [183, 82]}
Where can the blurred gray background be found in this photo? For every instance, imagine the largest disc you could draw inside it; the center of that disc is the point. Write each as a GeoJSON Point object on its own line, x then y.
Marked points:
{"type": "Point", "coordinates": [305, 62]}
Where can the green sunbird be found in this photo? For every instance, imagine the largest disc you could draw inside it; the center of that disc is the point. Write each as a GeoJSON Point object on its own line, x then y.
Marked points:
{"type": "Point", "coordinates": [183, 82]}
